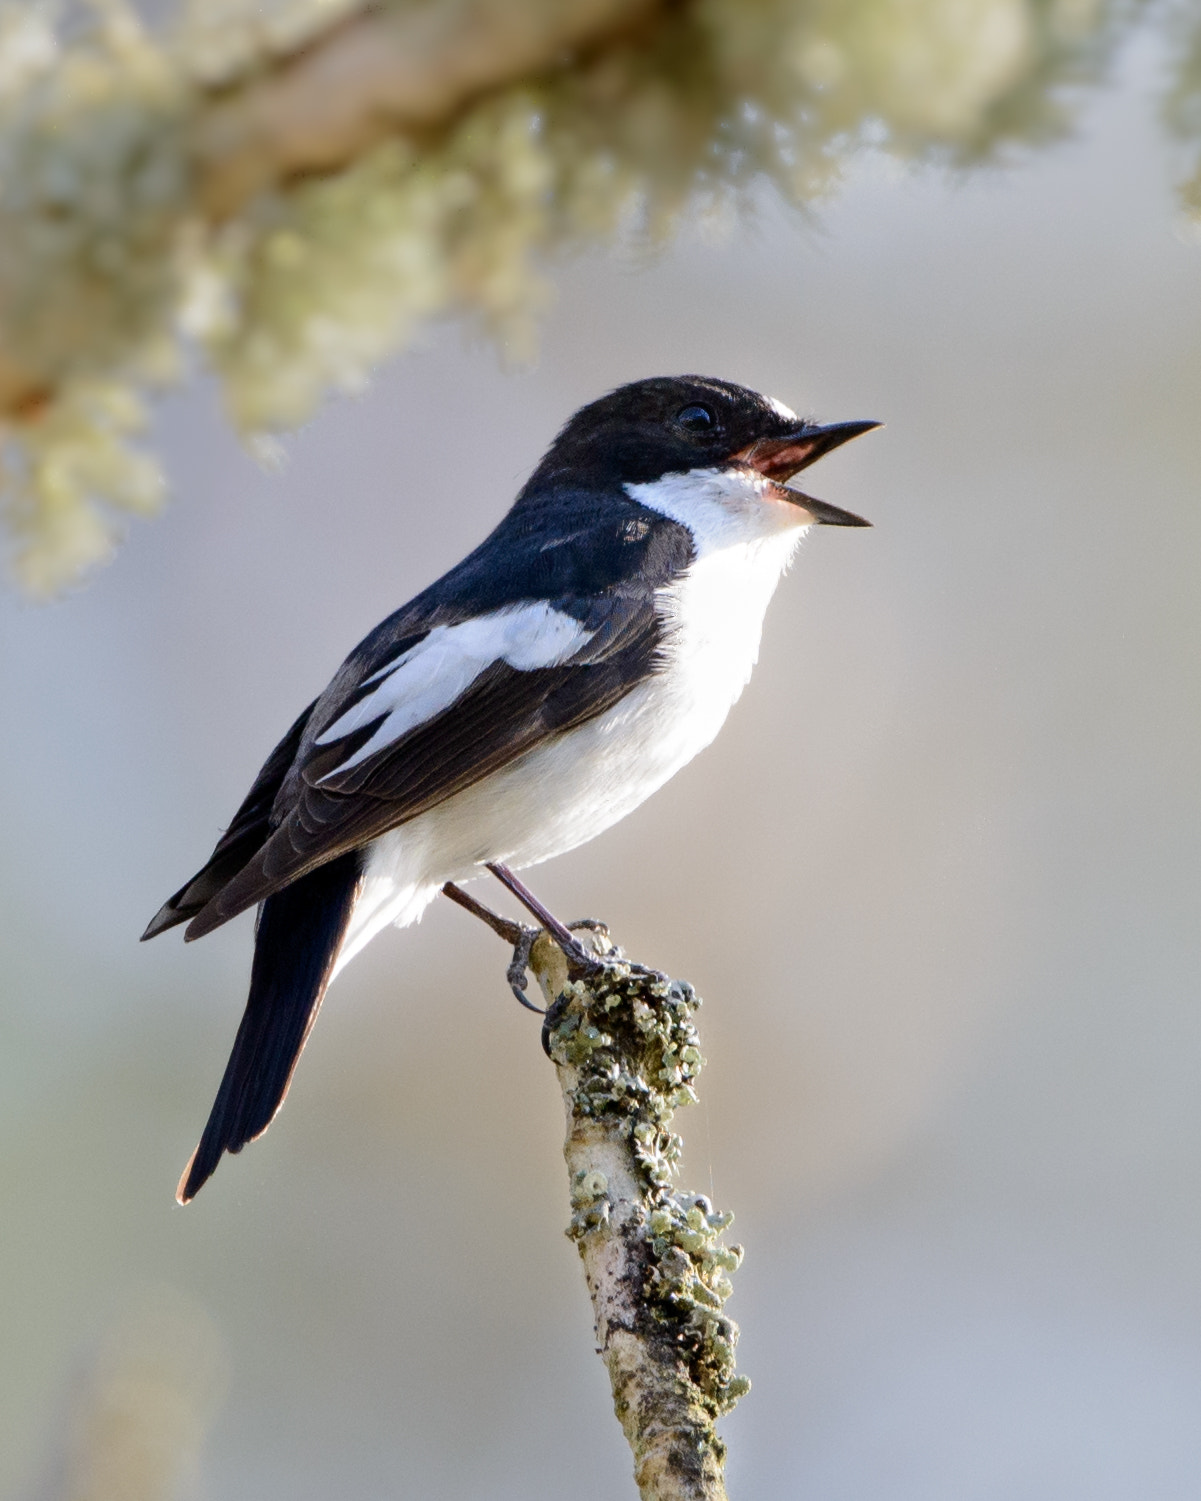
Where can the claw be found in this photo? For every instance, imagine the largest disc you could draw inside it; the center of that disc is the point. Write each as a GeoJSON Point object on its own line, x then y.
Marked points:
{"type": "Point", "coordinates": [550, 1021]}
{"type": "Point", "coordinates": [516, 974]}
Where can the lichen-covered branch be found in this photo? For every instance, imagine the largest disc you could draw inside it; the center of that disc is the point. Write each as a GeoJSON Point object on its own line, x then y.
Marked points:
{"type": "Point", "coordinates": [221, 126]}
{"type": "Point", "coordinates": [627, 1055]}
{"type": "Point", "coordinates": [295, 186]}
{"type": "Point", "coordinates": [383, 71]}
{"type": "Point", "coordinates": [150, 188]}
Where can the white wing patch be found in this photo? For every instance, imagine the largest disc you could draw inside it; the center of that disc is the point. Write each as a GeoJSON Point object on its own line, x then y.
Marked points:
{"type": "Point", "coordinates": [430, 676]}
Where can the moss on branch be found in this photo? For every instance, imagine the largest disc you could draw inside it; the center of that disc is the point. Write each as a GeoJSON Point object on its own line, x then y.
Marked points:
{"type": "Point", "coordinates": [627, 1056]}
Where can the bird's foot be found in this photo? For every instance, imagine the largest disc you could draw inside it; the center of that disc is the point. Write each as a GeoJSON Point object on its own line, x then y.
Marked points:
{"type": "Point", "coordinates": [581, 960]}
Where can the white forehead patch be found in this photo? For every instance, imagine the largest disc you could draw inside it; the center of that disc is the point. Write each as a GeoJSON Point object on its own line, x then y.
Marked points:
{"type": "Point", "coordinates": [781, 410]}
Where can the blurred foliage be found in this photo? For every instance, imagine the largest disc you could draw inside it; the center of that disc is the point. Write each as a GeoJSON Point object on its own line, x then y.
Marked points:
{"type": "Point", "coordinates": [108, 257]}
{"type": "Point", "coordinates": [1183, 108]}
{"type": "Point", "coordinates": [141, 1408]}
{"type": "Point", "coordinates": [321, 284]}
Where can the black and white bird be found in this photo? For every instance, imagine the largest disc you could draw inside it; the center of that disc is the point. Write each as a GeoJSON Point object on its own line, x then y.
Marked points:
{"type": "Point", "coordinates": [532, 697]}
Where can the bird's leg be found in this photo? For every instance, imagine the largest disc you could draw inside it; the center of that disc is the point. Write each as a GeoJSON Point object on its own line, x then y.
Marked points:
{"type": "Point", "coordinates": [572, 948]}
{"type": "Point", "coordinates": [530, 902]}
{"type": "Point", "coordinates": [518, 934]}
{"type": "Point", "coordinates": [511, 932]}
{"type": "Point", "coordinates": [522, 937]}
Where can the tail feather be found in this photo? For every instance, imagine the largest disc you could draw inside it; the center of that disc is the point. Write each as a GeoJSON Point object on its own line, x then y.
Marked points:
{"type": "Point", "coordinates": [300, 931]}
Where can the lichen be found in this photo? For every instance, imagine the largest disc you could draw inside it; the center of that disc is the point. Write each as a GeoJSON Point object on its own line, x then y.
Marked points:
{"type": "Point", "coordinates": [109, 251]}
{"type": "Point", "coordinates": [69, 488]}
{"type": "Point", "coordinates": [221, 41]}
{"type": "Point", "coordinates": [94, 193]}
{"type": "Point", "coordinates": [629, 1038]}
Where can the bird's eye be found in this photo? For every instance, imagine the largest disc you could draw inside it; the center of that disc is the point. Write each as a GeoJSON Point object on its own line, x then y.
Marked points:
{"type": "Point", "coordinates": [695, 419]}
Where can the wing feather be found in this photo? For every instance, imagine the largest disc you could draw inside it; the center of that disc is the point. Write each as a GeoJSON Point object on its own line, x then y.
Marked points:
{"type": "Point", "coordinates": [343, 802]}
{"type": "Point", "coordinates": [576, 606]}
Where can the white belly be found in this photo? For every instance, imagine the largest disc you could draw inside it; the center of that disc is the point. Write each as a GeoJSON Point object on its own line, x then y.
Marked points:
{"type": "Point", "coordinates": [565, 793]}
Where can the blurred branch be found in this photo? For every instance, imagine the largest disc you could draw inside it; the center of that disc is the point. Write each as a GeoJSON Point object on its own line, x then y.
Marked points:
{"type": "Point", "coordinates": [316, 109]}
{"type": "Point", "coordinates": [626, 1053]}
{"type": "Point", "coordinates": [296, 186]}
{"type": "Point", "coordinates": [379, 72]}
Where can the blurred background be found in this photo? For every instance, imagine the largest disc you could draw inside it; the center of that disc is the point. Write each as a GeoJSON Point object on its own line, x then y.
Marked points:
{"type": "Point", "coordinates": [937, 882]}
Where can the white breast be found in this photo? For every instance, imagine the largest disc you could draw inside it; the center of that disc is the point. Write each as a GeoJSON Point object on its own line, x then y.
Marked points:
{"type": "Point", "coordinates": [744, 540]}
{"type": "Point", "coordinates": [567, 792]}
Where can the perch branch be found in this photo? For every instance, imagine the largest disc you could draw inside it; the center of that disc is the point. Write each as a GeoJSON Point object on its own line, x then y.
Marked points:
{"type": "Point", "coordinates": [626, 1054]}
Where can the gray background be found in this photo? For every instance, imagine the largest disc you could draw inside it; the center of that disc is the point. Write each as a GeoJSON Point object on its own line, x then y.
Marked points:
{"type": "Point", "coordinates": [937, 882]}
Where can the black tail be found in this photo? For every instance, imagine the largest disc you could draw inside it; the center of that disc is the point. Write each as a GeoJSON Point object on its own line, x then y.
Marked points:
{"type": "Point", "coordinates": [300, 930]}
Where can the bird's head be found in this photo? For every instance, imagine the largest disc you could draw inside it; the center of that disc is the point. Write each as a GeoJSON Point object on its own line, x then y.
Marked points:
{"type": "Point", "coordinates": [692, 433]}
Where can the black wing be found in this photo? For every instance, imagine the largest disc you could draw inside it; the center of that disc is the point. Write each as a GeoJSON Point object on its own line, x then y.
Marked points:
{"type": "Point", "coordinates": [505, 713]}
{"type": "Point", "coordinates": [599, 557]}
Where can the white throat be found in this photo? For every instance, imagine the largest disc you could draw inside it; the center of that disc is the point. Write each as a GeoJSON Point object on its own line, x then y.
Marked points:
{"type": "Point", "coordinates": [744, 542]}
{"type": "Point", "coordinates": [724, 508]}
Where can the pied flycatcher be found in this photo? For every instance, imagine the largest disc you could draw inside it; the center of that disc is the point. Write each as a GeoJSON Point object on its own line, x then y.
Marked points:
{"type": "Point", "coordinates": [537, 693]}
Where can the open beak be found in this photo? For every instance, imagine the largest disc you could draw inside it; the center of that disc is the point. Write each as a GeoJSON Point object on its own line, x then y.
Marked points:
{"type": "Point", "coordinates": [780, 458]}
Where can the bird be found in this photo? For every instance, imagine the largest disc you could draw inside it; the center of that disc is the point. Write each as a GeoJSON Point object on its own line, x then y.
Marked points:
{"type": "Point", "coordinates": [588, 648]}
